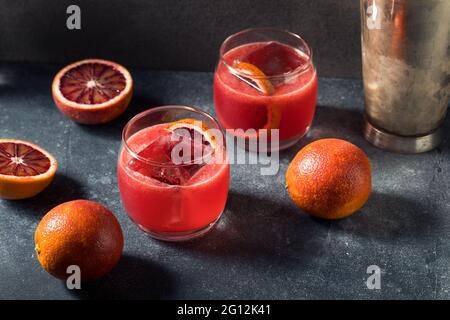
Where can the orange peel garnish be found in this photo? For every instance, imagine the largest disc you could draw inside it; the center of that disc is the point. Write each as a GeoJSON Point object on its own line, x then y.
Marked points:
{"type": "Point", "coordinates": [256, 75]}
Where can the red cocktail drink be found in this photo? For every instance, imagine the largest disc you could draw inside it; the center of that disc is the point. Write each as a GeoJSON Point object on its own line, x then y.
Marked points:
{"type": "Point", "coordinates": [170, 198]}
{"type": "Point", "coordinates": [266, 79]}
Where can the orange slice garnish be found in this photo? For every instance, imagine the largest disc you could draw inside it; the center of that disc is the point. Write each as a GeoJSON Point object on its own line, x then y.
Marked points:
{"type": "Point", "coordinates": [273, 122]}
{"type": "Point", "coordinates": [196, 125]}
{"type": "Point", "coordinates": [274, 118]}
{"type": "Point", "coordinates": [256, 78]}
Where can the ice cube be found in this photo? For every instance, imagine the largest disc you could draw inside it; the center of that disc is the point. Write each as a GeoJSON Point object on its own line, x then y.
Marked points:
{"type": "Point", "coordinates": [166, 170]}
{"type": "Point", "coordinates": [275, 58]}
{"type": "Point", "coordinates": [158, 150]}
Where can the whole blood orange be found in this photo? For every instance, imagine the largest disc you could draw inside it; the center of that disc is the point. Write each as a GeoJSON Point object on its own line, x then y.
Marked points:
{"type": "Point", "coordinates": [92, 91]}
{"type": "Point", "coordinates": [25, 169]}
{"type": "Point", "coordinates": [81, 233]}
{"type": "Point", "coordinates": [329, 178]}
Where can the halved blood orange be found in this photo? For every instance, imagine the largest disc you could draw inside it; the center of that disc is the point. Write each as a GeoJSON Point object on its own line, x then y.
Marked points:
{"type": "Point", "coordinates": [256, 78]}
{"type": "Point", "coordinates": [25, 169]}
{"type": "Point", "coordinates": [92, 91]}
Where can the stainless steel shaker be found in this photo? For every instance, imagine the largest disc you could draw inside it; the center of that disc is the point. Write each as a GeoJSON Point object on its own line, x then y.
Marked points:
{"type": "Point", "coordinates": [406, 72]}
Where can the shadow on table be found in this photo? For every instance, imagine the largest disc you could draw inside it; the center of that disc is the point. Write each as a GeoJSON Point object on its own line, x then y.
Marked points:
{"type": "Point", "coordinates": [255, 229]}
{"type": "Point", "coordinates": [132, 278]}
{"type": "Point", "coordinates": [334, 122]}
{"type": "Point", "coordinates": [260, 229]}
{"type": "Point", "coordinates": [393, 219]}
{"type": "Point", "coordinates": [331, 122]}
{"type": "Point", "coordinates": [113, 129]}
{"type": "Point", "coordinates": [62, 189]}
{"type": "Point", "coordinates": [445, 145]}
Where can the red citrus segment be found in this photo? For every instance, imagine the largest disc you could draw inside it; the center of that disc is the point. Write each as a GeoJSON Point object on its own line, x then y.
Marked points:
{"type": "Point", "coordinates": [194, 133]}
{"type": "Point", "coordinates": [193, 129]}
{"type": "Point", "coordinates": [92, 91]}
{"type": "Point", "coordinates": [21, 160]}
{"type": "Point", "coordinates": [25, 169]}
{"type": "Point", "coordinates": [92, 83]}
{"type": "Point", "coordinates": [190, 133]}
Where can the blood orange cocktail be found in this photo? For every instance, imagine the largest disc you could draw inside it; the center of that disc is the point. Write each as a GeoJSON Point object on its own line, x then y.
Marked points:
{"type": "Point", "coordinates": [265, 79]}
{"type": "Point", "coordinates": [173, 172]}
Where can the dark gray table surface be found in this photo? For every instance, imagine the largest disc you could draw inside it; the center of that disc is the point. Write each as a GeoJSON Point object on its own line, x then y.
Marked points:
{"type": "Point", "coordinates": [263, 247]}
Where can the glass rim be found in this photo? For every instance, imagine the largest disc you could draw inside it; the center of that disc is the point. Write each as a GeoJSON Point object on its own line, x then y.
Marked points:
{"type": "Point", "coordinates": [162, 108]}
{"type": "Point", "coordinates": [296, 71]}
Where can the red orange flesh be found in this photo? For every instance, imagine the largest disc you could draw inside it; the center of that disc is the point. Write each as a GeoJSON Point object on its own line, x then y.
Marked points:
{"type": "Point", "coordinates": [25, 169]}
{"type": "Point", "coordinates": [92, 91]}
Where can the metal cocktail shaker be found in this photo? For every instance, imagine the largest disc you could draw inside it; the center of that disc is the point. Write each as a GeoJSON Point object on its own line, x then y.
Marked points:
{"type": "Point", "coordinates": [406, 72]}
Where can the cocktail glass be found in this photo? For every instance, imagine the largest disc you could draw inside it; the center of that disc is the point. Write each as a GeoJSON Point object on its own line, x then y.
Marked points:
{"type": "Point", "coordinates": [168, 192]}
{"type": "Point", "coordinates": [265, 79]}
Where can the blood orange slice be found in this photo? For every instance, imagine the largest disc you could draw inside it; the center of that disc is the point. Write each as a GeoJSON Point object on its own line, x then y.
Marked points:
{"type": "Point", "coordinates": [25, 169]}
{"type": "Point", "coordinates": [92, 91]}
{"type": "Point", "coordinates": [196, 136]}
{"type": "Point", "coordinates": [256, 78]}
{"type": "Point", "coordinates": [193, 144]}
{"type": "Point", "coordinates": [194, 128]}
{"type": "Point", "coordinates": [271, 120]}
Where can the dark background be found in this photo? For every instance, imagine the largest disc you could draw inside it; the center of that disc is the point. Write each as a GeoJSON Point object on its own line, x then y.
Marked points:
{"type": "Point", "coordinates": [175, 34]}
{"type": "Point", "coordinates": [263, 247]}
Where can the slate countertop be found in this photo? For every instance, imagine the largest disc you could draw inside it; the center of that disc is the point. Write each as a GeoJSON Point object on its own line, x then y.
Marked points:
{"type": "Point", "coordinates": [263, 247]}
